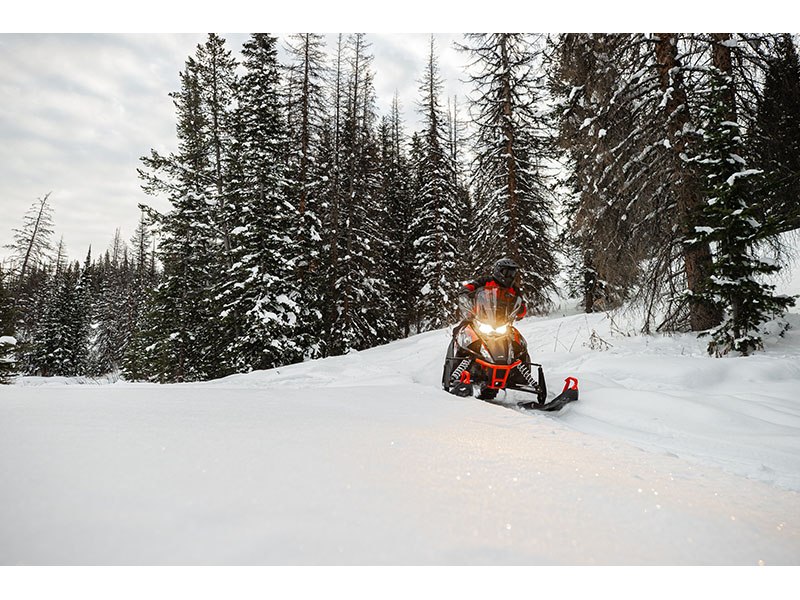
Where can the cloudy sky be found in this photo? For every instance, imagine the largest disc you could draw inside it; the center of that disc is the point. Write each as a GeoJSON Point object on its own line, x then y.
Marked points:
{"type": "Point", "coordinates": [77, 111]}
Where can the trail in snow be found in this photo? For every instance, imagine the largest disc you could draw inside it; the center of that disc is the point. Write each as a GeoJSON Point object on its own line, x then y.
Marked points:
{"type": "Point", "coordinates": [669, 457]}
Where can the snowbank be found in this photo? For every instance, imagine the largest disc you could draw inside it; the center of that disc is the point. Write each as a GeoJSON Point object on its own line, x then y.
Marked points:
{"type": "Point", "coordinates": [670, 457]}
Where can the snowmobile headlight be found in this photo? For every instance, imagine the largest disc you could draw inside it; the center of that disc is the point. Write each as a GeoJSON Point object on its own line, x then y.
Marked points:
{"type": "Point", "coordinates": [484, 327]}
{"type": "Point", "coordinates": [502, 329]}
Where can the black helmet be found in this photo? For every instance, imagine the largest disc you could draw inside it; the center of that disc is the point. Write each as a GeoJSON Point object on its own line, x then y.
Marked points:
{"type": "Point", "coordinates": [505, 271]}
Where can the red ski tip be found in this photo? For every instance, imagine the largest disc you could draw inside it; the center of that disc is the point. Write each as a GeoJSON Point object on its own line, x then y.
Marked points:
{"type": "Point", "coordinates": [570, 383]}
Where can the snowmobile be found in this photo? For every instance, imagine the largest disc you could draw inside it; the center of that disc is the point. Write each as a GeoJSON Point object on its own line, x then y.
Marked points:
{"type": "Point", "coordinates": [488, 354]}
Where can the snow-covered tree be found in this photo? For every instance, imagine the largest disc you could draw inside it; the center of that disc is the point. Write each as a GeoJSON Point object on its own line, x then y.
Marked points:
{"type": "Point", "coordinates": [400, 206]}
{"type": "Point", "coordinates": [437, 224]}
{"type": "Point", "coordinates": [457, 147]}
{"type": "Point", "coordinates": [626, 111]}
{"type": "Point", "coordinates": [144, 279]}
{"type": "Point", "coordinates": [306, 114]}
{"type": "Point", "coordinates": [59, 343]}
{"type": "Point", "coordinates": [729, 217]}
{"type": "Point", "coordinates": [776, 136]}
{"type": "Point", "coordinates": [355, 307]}
{"type": "Point", "coordinates": [590, 125]}
{"type": "Point", "coordinates": [186, 339]}
{"type": "Point", "coordinates": [33, 241]}
{"type": "Point", "coordinates": [513, 201]}
{"type": "Point", "coordinates": [7, 340]}
{"type": "Point", "coordinates": [260, 294]}
{"type": "Point", "coordinates": [112, 327]}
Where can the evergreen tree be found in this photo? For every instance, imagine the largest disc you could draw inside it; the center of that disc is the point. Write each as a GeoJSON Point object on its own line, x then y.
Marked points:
{"type": "Point", "coordinates": [33, 240]}
{"type": "Point", "coordinates": [358, 314]}
{"type": "Point", "coordinates": [603, 256]}
{"type": "Point", "coordinates": [144, 280]}
{"type": "Point", "coordinates": [776, 137]}
{"type": "Point", "coordinates": [331, 193]}
{"type": "Point", "coordinates": [729, 220]}
{"type": "Point", "coordinates": [261, 294]}
{"type": "Point", "coordinates": [112, 327]}
{"type": "Point", "coordinates": [437, 224]}
{"type": "Point", "coordinates": [306, 115]}
{"type": "Point", "coordinates": [80, 319]}
{"type": "Point", "coordinates": [366, 319]}
{"type": "Point", "coordinates": [7, 340]}
{"type": "Point", "coordinates": [468, 222]}
{"type": "Point", "coordinates": [513, 202]}
{"type": "Point", "coordinates": [397, 197]}
{"type": "Point", "coordinates": [59, 343]}
{"type": "Point", "coordinates": [185, 338]}
{"type": "Point", "coordinates": [627, 110]}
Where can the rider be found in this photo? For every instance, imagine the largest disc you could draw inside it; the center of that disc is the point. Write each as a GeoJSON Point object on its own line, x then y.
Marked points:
{"type": "Point", "coordinates": [505, 274]}
{"type": "Point", "coordinates": [504, 277]}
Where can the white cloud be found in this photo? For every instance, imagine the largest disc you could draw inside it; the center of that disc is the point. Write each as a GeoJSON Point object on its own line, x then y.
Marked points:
{"type": "Point", "coordinates": [77, 111]}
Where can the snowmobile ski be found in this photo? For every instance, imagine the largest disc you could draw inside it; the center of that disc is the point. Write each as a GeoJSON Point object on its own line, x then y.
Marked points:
{"type": "Point", "coordinates": [569, 394]}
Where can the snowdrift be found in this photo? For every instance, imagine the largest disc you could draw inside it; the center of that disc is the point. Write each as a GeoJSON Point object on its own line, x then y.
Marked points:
{"type": "Point", "coordinates": [670, 457]}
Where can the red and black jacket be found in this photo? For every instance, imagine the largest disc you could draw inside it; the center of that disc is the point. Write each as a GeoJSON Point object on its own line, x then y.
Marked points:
{"type": "Point", "coordinates": [489, 282]}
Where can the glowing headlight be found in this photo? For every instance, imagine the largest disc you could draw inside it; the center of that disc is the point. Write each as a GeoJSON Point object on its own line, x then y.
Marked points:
{"type": "Point", "coordinates": [484, 327]}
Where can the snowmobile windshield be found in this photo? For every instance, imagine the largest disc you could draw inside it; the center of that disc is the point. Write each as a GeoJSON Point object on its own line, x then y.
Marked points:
{"type": "Point", "coordinates": [496, 306]}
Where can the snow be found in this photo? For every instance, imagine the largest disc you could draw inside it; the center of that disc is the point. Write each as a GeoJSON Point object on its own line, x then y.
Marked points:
{"type": "Point", "coordinates": [669, 457]}
{"type": "Point", "coordinates": [746, 173]}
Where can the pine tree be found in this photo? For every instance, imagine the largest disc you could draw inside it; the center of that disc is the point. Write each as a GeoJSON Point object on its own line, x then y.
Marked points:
{"type": "Point", "coordinates": [729, 218]}
{"type": "Point", "coordinates": [7, 340]}
{"type": "Point", "coordinates": [513, 202]}
{"type": "Point", "coordinates": [776, 136]}
{"type": "Point", "coordinates": [329, 159]}
{"type": "Point", "coordinates": [357, 313]}
{"type": "Point", "coordinates": [33, 240]}
{"type": "Point", "coordinates": [80, 319]}
{"type": "Point", "coordinates": [366, 317]}
{"type": "Point", "coordinates": [185, 338]}
{"type": "Point", "coordinates": [437, 223]}
{"type": "Point", "coordinates": [306, 115]}
{"type": "Point", "coordinates": [592, 123]}
{"type": "Point", "coordinates": [144, 280]}
{"type": "Point", "coordinates": [399, 201]}
{"type": "Point", "coordinates": [261, 296]}
{"type": "Point", "coordinates": [628, 112]}
{"type": "Point", "coordinates": [59, 344]}
{"type": "Point", "coordinates": [468, 222]}
{"type": "Point", "coordinates": [112, 326]}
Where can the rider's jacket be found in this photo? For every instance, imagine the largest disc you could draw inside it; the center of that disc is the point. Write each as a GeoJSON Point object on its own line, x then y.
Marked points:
{"type": "Point", "coordinates": [489, 282]}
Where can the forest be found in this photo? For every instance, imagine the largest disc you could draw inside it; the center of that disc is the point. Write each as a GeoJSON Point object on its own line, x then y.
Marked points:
{"type": "Point", "coordinates": [654, 171]}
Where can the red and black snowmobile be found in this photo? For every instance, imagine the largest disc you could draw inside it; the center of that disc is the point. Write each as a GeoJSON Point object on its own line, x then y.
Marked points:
{"type": "Point", "coordinates": [488, 353]}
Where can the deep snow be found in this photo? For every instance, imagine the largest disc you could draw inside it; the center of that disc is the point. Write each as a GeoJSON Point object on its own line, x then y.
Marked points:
{"type": "Point", "coordinates": [670, 457]}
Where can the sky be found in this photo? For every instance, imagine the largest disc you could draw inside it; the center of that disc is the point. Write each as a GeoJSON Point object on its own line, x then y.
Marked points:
{"type": "Point", "coordinates": [77, 111]}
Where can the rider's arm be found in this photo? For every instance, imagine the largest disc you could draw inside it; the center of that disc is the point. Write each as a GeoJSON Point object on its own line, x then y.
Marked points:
{"type": "Point", "coordinates": [473, 285]}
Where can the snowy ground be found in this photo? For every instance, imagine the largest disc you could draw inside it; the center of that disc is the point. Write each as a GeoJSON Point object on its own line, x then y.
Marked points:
{"type": "Point", "coordinates": [670, 457]}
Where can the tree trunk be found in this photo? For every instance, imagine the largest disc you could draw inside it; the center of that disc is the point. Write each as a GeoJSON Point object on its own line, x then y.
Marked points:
{"type": "Point", "coordinates": [722, 60]}
{"type": "Point", "coordinates": [696, 256]}
{"type": "Point", "coordinates": [511, 160]}
{"type": "Point", "coordinates": [32, 243]}
{"type": "Point", "coordinates": [304, 127]}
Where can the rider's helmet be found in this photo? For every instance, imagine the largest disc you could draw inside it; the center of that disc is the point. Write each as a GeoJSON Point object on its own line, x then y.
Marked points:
{"type": "Point", "coordinates": [505, 271]}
